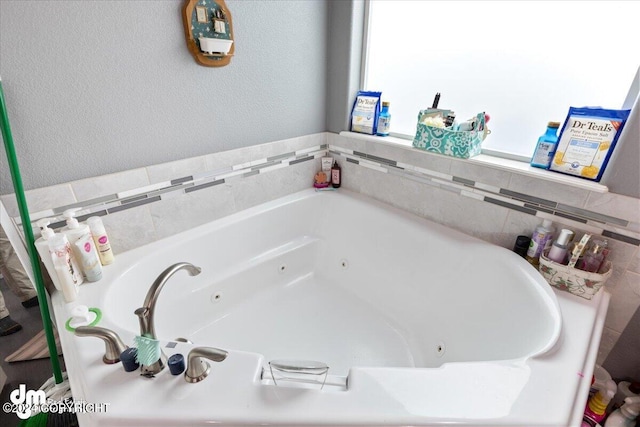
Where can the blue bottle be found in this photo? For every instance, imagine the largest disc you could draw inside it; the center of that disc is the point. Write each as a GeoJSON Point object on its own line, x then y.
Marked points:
{"type": "Point", "coordinates": [546, 147]}
{"type": "Point", "coordinates": [384, 120]}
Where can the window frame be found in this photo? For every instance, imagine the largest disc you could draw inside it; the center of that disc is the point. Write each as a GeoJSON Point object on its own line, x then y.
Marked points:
{"type": "Point", "coordinates": [633, 91]}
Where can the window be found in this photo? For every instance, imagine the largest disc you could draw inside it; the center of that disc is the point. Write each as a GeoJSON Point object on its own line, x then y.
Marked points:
{"type": "Point", "coordinates": [523, 62]}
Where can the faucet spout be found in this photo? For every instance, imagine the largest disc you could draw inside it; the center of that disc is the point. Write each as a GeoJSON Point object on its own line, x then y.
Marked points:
{"type": "Point", "coordinates": [146, 312]}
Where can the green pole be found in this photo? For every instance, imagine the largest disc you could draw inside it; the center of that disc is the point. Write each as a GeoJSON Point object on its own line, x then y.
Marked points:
{"type": "Point", "coordinates": [28, 234]}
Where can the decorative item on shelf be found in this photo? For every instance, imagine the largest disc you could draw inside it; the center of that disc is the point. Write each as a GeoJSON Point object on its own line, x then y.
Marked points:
{"type": "Point", "coordinates": [587, 140]}
{"type": "Point", "coordinates": [365, 112]}
{"type": "Point", "coordinates": [208, 30]}
{"type": "Point", "coordinates": [459, 140]}
{"type": "Point", "coordinates": [320, 180]}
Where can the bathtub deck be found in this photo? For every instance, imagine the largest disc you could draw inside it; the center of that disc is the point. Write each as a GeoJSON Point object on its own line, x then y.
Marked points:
{"type": "Point", "coordinates": [344, 330]}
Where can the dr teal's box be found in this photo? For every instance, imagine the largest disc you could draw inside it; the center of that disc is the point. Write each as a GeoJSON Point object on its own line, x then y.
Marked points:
{"type": "Point", "coordinates": [454, 143]}
{"type": "Point", "coordinates": [587, 140]}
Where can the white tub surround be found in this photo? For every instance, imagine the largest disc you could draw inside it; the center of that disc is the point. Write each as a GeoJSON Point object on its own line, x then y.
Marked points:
{"type": "Point", "coordinates": [419, 324]}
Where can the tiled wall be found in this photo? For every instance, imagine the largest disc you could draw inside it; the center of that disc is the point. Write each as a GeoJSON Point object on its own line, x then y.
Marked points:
{"type": "Point", "coordinates": [497, 205]}
{"type": "Point", "coordinates": [142, 205]}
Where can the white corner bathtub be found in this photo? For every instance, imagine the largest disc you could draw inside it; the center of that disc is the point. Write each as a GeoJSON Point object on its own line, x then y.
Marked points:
{"type": "Point", "coordinates": [419, 324]}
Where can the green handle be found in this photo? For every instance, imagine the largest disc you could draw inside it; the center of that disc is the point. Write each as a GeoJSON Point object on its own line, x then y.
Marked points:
{"type": "Point", "coordinates": [28, 234]}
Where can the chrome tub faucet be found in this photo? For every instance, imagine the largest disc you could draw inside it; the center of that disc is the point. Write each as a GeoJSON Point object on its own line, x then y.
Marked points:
{"type": "Point", "coordinates": [146, 312]}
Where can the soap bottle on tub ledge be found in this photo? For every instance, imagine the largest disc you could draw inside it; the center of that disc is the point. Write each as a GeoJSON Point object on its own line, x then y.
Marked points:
{"type": "Point", "coordinates": [65, 266]}
{"type": "Point", "coordinates": [336, 175]}
{"type": "Point", "coordinates": [101, 239]}
{"type": "Point", "coordinates": [540, 240]}
{"type": "Point", "coordinates": [82, 246]}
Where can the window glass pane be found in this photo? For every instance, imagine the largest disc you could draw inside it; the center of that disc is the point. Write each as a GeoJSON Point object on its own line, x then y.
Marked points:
{"type": "Point", "coordinates": [523, 62]}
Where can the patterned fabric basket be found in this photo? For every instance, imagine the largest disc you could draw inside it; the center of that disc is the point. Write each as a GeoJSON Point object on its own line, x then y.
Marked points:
{"type": "Point", "coordinates": [578, 282]}
{"type": "Point", "coordinates": [463, 144]}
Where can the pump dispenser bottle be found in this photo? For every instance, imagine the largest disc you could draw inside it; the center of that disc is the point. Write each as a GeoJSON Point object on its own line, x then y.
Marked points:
{"type": "Point", "coordinates": [42, 246]}
{"type": "Point", "coordinates": [558, 251]}
{"type": "Point", "coordinates": [593, 258]}
{"type": "Point", "coordinates": [82, 245]}
{"type": "Point", "coordinates": [74, 230]}
{"type": "Point", "coordinates": [595, 411]}
{"type": "Point", "coordinates": [626, 415]}
{"type": "Point", "coordinates": [66, 269]}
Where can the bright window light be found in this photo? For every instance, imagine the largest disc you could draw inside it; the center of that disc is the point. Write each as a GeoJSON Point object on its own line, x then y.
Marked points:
{"type": "Point", "coordinates": [523, 62]}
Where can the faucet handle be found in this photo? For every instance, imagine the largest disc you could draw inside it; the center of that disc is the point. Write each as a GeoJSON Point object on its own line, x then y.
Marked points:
{"type": "Point", "coordinates": [113, 344]}
{"type": "Point", "coordinates": [197, 367]}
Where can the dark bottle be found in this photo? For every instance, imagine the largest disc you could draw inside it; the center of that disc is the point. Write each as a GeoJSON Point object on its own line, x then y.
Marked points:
{"type": "Point", "coordinates": [336, 175]}
{"type": "Point", "coordinates": [522, 245]}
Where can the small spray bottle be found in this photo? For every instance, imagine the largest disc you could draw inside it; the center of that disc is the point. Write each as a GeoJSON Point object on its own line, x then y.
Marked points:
{"type": "Point", "coordinates": [596, 408]}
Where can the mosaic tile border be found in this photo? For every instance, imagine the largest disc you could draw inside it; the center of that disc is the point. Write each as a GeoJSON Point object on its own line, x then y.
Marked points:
{"type": "Point", "coordinates": [605, 225]}
{"type": "Point", "coordinates": [117, 202]}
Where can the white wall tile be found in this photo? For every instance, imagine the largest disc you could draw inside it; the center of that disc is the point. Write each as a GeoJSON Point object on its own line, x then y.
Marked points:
{"type": "Point", "coordinates": [548, 190]}
{"type": "Point", "coordinates": [625, 299]}
{"type": "Point", "coordinates": [614, 205]}
{"type": "Point", "coordinates": [91, 188]}
{"type": "Point", "coordinates": [261, 188]}
{"type": "Point", "coordinates": [295, 144]}
{"type": "Point", "coordinates": [423, 159]}
{"type": "Point", "coordinates": [40, 199]}
{"type": "Point", "coordinates": [621, 253]}
{"type": "Point", "coordinates": [496, 177]}
{"type": "Point", "coordinates": [607, 341]}
{"type": "Point", "coordinates": [192, 209]}
{"type": "Point", "coordinates": [129, 229]}
{"type": "Point", "coordinates": [516, 224]}
{"type": "Point", "coordinates": [480, 219]}
{"type": "Point", "coordinates": [634, 264]}
{"type": "Point", "coordinates": [177, 169]}
{"type": "Point", "coordinates": [397, 191]}
{"type": "Point", "coordinates": [225, 159]}
{"type": "Point", "coordinates": [350, 143]}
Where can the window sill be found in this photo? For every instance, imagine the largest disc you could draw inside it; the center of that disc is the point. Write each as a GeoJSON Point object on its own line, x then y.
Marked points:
{"type": "Point", "coordinates": [513, 166]}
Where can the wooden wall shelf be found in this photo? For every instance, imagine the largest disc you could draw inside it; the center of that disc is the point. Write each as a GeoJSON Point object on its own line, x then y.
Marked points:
{"type": "Point", "coordinates": [212, 19]}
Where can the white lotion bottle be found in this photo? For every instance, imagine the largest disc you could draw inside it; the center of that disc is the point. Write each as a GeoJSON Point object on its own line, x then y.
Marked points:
{"type": "Point", "coordinates": [84, 253]}
{"type": "Point", "coordinates": [558, 251]}
{"type": "Point", "coordinates": [42, 246]}
{"type": "Point", "coordinates": [101, 239]}
{"type": "Point", "coordinates": [67, 270]}
{"type": "Point", "coordinates": [626, 415]}
{"type": "Point", "coordinates": [74, 230]}
{"type": "Point", "coordinates": [87, 255]}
